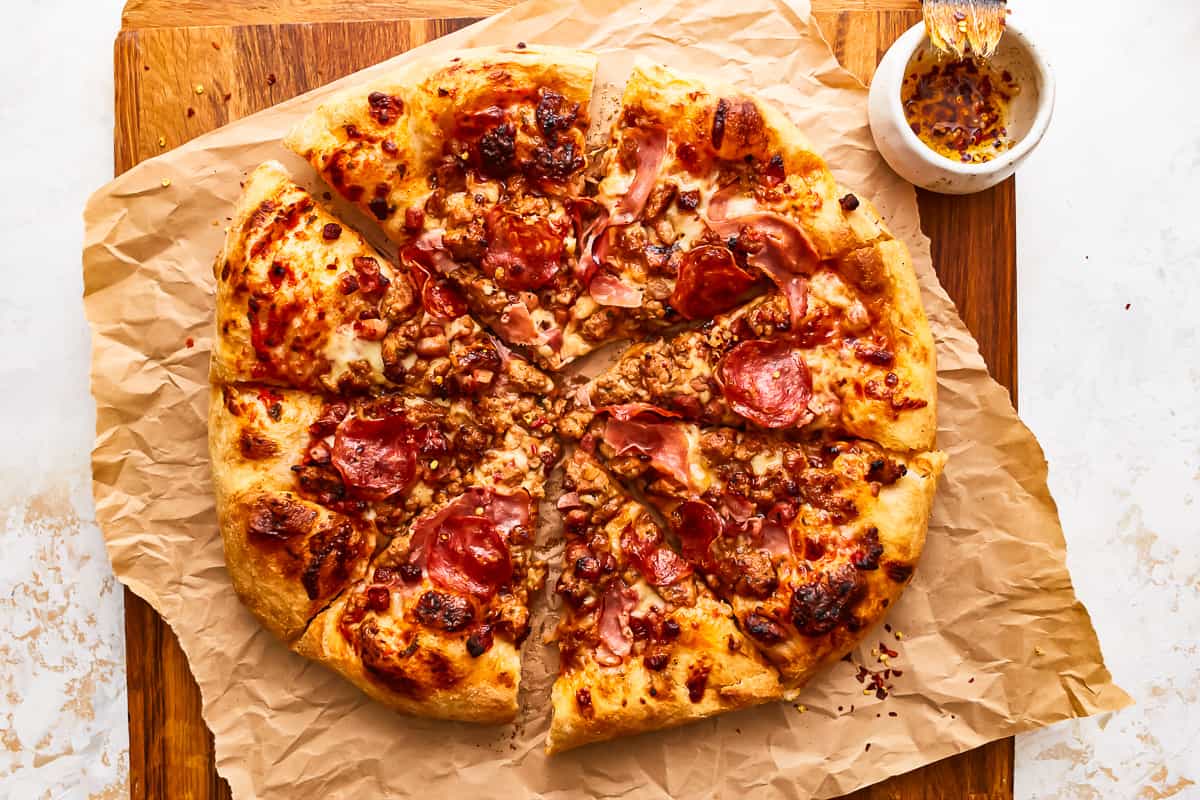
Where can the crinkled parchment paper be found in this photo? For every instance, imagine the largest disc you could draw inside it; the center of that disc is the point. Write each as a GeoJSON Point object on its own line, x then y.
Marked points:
{"type": "Point", "coordinates": [994, 640]}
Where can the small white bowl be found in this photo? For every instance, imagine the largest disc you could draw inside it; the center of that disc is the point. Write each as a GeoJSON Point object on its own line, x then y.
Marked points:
{"type": "Point", "coordinates": [914, 161]}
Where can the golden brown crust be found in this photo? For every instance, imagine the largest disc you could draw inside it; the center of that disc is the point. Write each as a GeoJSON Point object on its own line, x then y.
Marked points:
{"type": "Point", "coordinates": [901, 417]}
{"type": "Point", "coordinates": [437, 678]}
{"type": "Point", "coordinates": [287, 556]}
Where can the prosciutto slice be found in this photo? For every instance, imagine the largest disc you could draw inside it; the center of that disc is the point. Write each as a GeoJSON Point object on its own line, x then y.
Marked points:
{"type": "Point", "coordinates": [651, 148]}
{"type": "Point", "coordinates": [616, 637]}
{"type": "Point", "coordinates": [665, 443]}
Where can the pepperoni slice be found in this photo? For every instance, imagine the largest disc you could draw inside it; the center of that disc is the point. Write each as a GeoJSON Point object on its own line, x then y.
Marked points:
{"type": "Point", "coordinates": [699, 525]}
{"type": "Point", "coordinates": [659, 565]}
{"type": "Point", "coordinates": [376, 457]}
{"type": "Point", "coordinates": [709, 282]}
{"type": "Point", "coordinates": [468, 555]}
{"type": "Point", "coordinates": [438, 297]}
{"type": "Point", "coordinates": [767, 382]}
{"type": "Point", "coordinates": [523, 253]}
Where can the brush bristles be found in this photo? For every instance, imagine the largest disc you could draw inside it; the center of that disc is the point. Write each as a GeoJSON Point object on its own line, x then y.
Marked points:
{"type": "Point", "coordinates": [962, 26]}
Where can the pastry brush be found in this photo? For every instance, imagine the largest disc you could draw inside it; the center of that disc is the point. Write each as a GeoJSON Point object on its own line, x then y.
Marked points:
{"type": "Point", "coordinates": [962, 26]}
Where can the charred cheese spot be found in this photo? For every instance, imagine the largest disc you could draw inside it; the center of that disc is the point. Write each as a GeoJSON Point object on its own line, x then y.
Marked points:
{"type": "Point", "coordinates": [280, 518]}
{"type": "Point", "coordinates": [255, 446]}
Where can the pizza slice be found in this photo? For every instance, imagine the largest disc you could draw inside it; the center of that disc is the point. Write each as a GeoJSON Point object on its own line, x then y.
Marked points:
{"type": "Point", "coordinates": [308, 487]}
{"type": "Point", "coordinates": [436, 628]}
{"type": "Point", "coordinates": [809, 539]}
{"type": "Point", "coordinates": [706, 196]}
{"type": "Point", "coordinates": [472, 166]}
{"type": "Point", "coordinates": [303, 301]}
{"type": "Point", "coordinates": [643, 645]}
{"type": "Point", "coordinates": [823, 356]}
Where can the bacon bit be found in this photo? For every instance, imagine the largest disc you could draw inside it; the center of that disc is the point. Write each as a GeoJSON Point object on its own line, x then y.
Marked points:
{"type": "Point", "coordinates": [199, 88]}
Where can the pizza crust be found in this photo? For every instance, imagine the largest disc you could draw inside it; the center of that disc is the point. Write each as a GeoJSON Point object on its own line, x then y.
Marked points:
{"type": "Point", "coordinates": [621, 700]}
{"type": "Point", "coordinates": [251, 458]}
{"type": "Point", "coordinates": [484, 690]}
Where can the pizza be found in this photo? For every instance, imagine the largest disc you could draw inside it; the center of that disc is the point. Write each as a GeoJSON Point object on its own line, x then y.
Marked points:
{"type": "Point", "coordinates": [749, 473]}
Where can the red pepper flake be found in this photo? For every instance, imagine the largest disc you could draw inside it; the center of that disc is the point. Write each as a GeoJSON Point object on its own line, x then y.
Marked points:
{"type": "Point", "coordinates": [215, 45]}
{"type": "Point", "coordinates": [1127, 306]}
{"type": "Point", "coordinates": [868, 749]}
{"type": "Point", "coordinates": [887, 651]}
{"type": "Point", "coordinates": [520, 45]}
{"type": "Point", "coordinates": [227, 96]}
{"type": "Point", "coordinates": [190, 342]}
{"type": "Point", "coordinates": [191, 112]}
{"type": "Point", "coordinates": [893, 714]}
{"type": "Point", "coordinates": [971, 681]}
{"type": "Point", "coordinates": [271, 79]}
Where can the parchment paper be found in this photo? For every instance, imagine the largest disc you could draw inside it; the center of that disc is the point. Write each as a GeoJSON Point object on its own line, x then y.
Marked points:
{"type": "Point", "coordinates": [994, 640]}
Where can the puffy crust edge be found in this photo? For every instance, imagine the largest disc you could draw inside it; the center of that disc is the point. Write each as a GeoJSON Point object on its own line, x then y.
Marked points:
{"type": "Point", "coordinates": [621, 705]}
{"type": "Point", "coordinates": [478, 697]}
{"type": "Point", "coordinates": [913, 429]}
{"type": "Point", "coordinates": [277, 600]}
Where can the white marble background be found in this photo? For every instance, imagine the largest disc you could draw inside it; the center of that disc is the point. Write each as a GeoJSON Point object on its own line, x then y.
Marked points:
{"type": "Point", "coordinates": [1109, 285]}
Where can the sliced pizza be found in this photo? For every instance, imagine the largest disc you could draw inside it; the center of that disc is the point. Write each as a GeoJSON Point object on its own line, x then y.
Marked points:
{"type": "Point", "coordinates": [473, 167]}
{"type": "Point", "coordinates": [824, 356]}
{"type": "Point", "coordinates": [436, 628]}
{"type": "Point", "coordinates": [810, 539]}
{"type": "Point", "coordinates": [643, 645]}
{"type": "Point", "coordinates": [303, 301]}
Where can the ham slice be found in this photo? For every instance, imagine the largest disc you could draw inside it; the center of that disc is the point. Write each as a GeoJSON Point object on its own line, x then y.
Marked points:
{"type": "Point", "coordinates": [616, 638]}
{"type": "Point", "coordinates": [651, 148]}
{"type": "Point", "coordinates": [665, 443]}
{"type": "Point", "coordinates": [608, 290]}
{"type": "Point", "coordinates": [786, 256]}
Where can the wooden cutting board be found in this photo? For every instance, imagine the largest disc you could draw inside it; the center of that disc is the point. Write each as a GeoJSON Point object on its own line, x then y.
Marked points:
{"type": "Point", "coordinates": [184, 67]}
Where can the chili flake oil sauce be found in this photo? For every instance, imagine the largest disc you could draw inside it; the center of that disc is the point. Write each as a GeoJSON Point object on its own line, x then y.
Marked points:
{"type": "Point", "coordinates": [959, 108]}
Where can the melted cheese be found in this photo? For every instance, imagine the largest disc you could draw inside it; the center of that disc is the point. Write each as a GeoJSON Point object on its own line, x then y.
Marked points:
{"type": "Point", "coordinates": [345, 347]}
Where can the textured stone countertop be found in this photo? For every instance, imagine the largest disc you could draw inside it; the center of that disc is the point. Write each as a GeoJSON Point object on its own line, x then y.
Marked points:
{"type": "Point", "coordinates": [1109, 288]}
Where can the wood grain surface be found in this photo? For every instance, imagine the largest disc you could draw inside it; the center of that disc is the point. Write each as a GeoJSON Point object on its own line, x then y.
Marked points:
{"type": "Point", "coordinates": [251, 54]}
